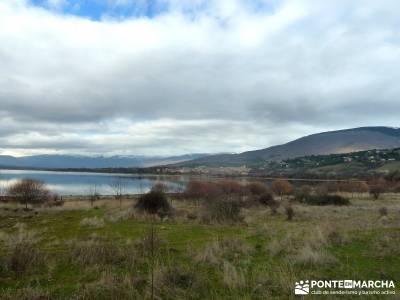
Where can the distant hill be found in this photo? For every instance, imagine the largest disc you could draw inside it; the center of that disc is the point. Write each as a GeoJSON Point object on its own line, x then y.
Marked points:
{"type": "Point", "coordinates": [332, 142]}
{"type": "Point", "coordinates": [348, 165]}
{"type": "Point", "coordinates": [77, 161]}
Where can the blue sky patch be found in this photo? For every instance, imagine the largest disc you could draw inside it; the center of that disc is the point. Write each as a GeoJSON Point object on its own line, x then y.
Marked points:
{"type": "Point", "coordinates": [97, 9]}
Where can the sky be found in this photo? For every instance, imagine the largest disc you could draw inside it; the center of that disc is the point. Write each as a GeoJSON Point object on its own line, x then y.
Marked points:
{"type": "Point", "coordinates": [167, 77]}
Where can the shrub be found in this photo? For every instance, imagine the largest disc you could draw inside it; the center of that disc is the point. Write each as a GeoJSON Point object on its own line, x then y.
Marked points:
{"type": "Point", "coordinates": [176, 277]}
{"type": "Point", "coordinates": [231, 187]}
{"type": "Point", "coordinates": [376, 188]}
{"type": "Point", "coordinates": [23, 257]}
{"type": "Point", "coordinates": [268, 200]}
{"type": "Point", "coordinates": [321, 189]}
{"type": "Point", "coordinates": [29, 191]}
{"type": "Point", "coordinates": [223, 211]}
{"type": "Point", "coordinates": [326, 200]}
{"type": "Point", "coordinates": [383, 211]}
{"type": "Point", "coordinates": [282, 187]}
{"type": "Point", "coordinates": [202, 190]}
{"type": "Point", "coordinates": [23, 254]}
{"type": "Point", "coordinates": [154, 202]}
{"type": "Point", "coordinates": [256, 188]}
{"type": "Point", "coordinates": [289, 213]}
{"type": "Point", "coordinates": [303, 192]}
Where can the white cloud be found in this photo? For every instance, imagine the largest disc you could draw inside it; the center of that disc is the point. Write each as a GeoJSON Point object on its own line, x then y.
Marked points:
{"type": "Point", "coordinates": [204, 76]}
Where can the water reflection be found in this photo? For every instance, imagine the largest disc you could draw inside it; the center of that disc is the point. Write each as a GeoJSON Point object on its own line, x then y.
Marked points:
{"type": "Point", "coordinates": [74, 183]}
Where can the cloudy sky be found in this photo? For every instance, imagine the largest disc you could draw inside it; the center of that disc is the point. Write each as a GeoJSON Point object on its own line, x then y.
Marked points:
{"type": "Point", "coordinates": [176, 76]}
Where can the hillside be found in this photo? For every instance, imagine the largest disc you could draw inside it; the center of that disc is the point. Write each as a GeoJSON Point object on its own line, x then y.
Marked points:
{"type": "Point", "coordinates": [356, 164]}
{"type": "Point", "coordinates": [332, 142]}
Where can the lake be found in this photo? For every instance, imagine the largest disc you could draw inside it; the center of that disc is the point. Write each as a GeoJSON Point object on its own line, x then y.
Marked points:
{"type": "Point", "coordinates": [79, 183]}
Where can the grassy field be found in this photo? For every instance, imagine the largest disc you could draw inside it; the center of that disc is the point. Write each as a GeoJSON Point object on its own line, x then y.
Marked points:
{"type": "Point", "coordinates": [111, 252]}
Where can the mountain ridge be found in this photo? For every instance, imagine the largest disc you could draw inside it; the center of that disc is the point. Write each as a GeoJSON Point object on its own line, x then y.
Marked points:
{"type": "Point", "coordinates": [329, 142]}
{"type": "Point", "coordinates": [55, 161]}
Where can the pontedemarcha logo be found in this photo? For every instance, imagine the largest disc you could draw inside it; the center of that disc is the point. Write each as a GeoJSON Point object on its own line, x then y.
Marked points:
{"type": "Point", "coordinates": [302, 287]}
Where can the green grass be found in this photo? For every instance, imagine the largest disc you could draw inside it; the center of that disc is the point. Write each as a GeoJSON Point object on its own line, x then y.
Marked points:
{"type": "Point", "coordinates": [389, 167]}
{"type": "Point", "coordinates": [371, 251]}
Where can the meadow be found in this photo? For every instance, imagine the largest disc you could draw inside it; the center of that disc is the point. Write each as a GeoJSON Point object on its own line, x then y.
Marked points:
{"type": "Point", "coordinates": [108, 249]}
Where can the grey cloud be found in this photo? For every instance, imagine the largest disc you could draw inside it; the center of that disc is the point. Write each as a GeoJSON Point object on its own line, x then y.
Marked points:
{"type": "Point", "coordinates": [251, 81]}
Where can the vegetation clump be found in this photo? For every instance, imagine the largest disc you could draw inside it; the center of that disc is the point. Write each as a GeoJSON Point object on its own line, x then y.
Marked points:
{"type": "Point", "coordinates": [282, 188]}
{"type": "Point", "coordinates": [223, 211]}
{"type": "Point", "coordinates": [376, 188]}
{"type": "Point", "coordinates": [302, 193]}
{"type": "Point", "coordinates": [257, 188]}
{"type": "Point", "coordinates": [29, 191]}
{"type": "Point", "coordinates": [326, 200]}
{"type": "Point", "coordinates": [153, 202]}
{"type": "Point", "coordinates": [267, 199]}
{"type": "Point", "coordinates": [289, 212]}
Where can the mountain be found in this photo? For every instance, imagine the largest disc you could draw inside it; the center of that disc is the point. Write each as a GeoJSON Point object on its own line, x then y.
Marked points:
{"type": "Point", "coordinates": [78, 161]}
{"type": "Point", "coordinates": [332, 142]}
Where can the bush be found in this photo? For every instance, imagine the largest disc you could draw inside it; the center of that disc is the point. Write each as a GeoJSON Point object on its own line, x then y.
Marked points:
{"type": "Point", "coordinates": [326, 200]}
{"type": "Point", "coordinates": [383, 211]}
{"type": "Point", "coordinates": [202, 190]}
{"type": "Point", "coordinates": [223, 211]}
{"type": "Point", "coordinates": [256, 188]}
{"type": "Point", "coordinates": [376, 188]}
{"type": "Point", "coordinates": [22, 255]}
{"type": "Point", "coordinates": [289, 213]}
{"type": "Point", "coordinates": [176, 277]}
{"type": "Point", "coordinates": [282, 187]}
{"type": "Point", "coordinates": [302, 193]}
{"type": "Point", "coordinates": [154, 202]}
{"type": "Point", "coordinates": [267, 199]}
{"type": "Point", "coordinates": [231, 187]}
{"type": "Point", "coordinates": [29, 191]}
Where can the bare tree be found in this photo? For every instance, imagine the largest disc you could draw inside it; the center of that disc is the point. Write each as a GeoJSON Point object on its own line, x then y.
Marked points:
{"type": "Point", "coordinates": [118, 187]}
{"type": "Point", "coordinates": [93, 194]}
{"type": "Point", "coordinates": [282, 187]}
{"type": "Point", "coordinates": [29, 191]}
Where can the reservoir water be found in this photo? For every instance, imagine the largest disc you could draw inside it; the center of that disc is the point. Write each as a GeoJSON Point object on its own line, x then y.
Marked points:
{"type": "Point", "coordinates": [79, 183]}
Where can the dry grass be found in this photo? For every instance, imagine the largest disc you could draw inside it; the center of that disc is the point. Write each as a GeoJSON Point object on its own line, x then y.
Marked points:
{"type": "Point", "coordinates": [172, 278]}
{"type": "Point", "coordinates": [100, 251]}
{"type": "Point", "coordinates": [211, 254]}
{"type": "Point", "coordinates": [216, 251]}
{"type": "Point", "coordinates": [222, 211]}
{"type": "Point", "coordinates": [28, 293]}
{"type": "Point", "coordinates": [309, 255]}
{"type": "Point", "coordinates": [263, 263]}
{"type": "Point", "coordinates": [22, 254]}
{"type": "Point", "coordinates": [94, 222]}
{"type": "Point", "coordinates": [233, 277]}
{"type": "Point", "coordinates": [111, 286]}
{"type": "Point", "coordinates": [306, 248]}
